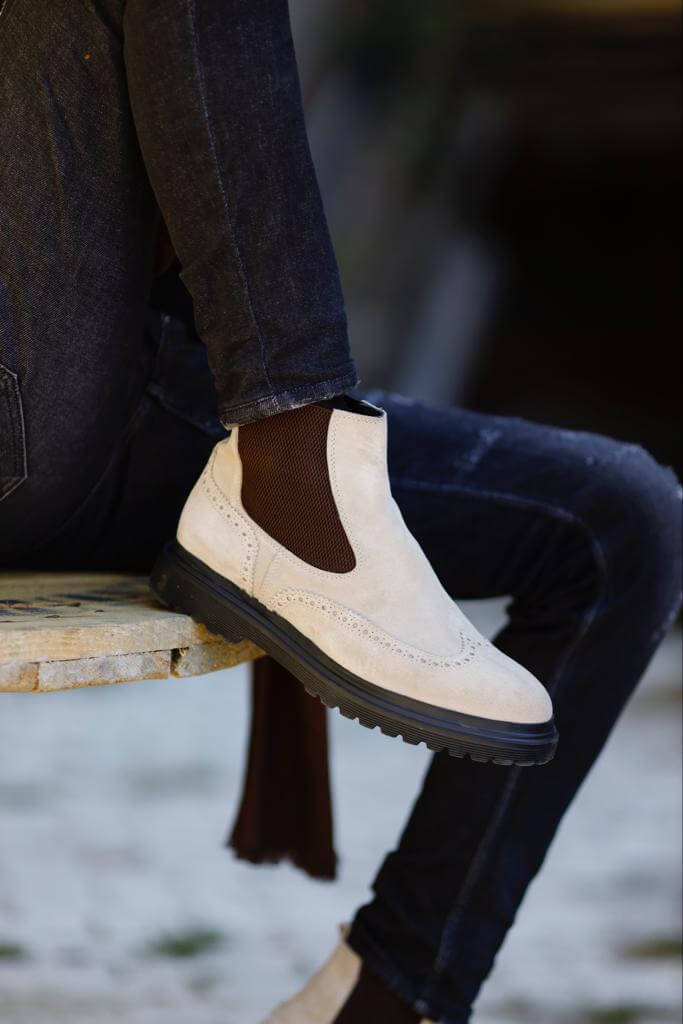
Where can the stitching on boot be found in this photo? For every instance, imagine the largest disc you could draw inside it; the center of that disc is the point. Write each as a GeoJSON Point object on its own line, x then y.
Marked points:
{"type": "Point", "coordinates": [333, 429]}
{"type": "Point", "coordinates": [234, 519]}
{"type": "Point", "coordinates": [352, 622]}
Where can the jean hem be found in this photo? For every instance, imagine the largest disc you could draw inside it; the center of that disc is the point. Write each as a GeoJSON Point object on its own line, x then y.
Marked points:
{"type": "Point", "coordinates": [290, 398]}
{"type": "Point", "coordinates": [395, 980]}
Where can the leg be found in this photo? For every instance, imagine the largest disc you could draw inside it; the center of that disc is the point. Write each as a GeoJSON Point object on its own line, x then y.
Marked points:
{"type": "Point", "coordinates": [134, 506]}
{"type": "Point", "coordinates": [584, 533]}
{"type": "Point", "coordinates": [77, 230]}
{"type": "Point", "coordinates": [210, 92]}
{"type": "Point", "coordinates": [221, 128]}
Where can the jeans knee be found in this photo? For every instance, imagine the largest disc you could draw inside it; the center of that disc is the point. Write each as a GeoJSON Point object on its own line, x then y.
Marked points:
{"type": "Point", "coordinates": [640, 522]}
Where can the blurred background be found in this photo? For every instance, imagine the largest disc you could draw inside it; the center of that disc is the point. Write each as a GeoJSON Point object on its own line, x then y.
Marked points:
{"type": "Point", "coordinates": [502, 185]}
{"type": "Point", "coordinates": [502, 182]}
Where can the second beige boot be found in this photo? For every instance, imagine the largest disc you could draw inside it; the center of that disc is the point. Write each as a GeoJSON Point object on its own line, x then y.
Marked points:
{"type": "Point", "coordinates": [325, 993]}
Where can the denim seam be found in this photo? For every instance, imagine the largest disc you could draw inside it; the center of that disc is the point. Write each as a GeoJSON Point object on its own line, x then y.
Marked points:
{"type": "Point", "coordinates": [455, 917]}
{"type": "Point", "coordinates": [226, 206]}
{"type": "Point", "coordinates": [264, 400]}
{"type": "Point", "coordinates": [15, 414]}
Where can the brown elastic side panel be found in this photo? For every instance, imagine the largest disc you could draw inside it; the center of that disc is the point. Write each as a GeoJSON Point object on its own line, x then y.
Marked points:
{"type": "Point", "coordinates": [286, 487]}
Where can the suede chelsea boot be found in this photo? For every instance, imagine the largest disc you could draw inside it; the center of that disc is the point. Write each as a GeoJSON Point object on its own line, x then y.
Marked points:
{"type": "Point", "coordinates": [291, 538]}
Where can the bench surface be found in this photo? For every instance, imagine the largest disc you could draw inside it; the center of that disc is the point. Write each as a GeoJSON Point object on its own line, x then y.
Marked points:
{"type": "Point", "coordinates": [60, 631]}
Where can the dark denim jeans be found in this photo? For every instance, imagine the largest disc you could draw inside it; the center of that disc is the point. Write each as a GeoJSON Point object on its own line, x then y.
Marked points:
{"type": "Point", "coordinates": [109, 111]}
{"type": "Point", "coordinates": [583, 532]}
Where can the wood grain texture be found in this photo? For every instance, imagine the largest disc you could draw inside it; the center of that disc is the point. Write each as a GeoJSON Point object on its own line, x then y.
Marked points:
{"type": "Point", "coordinates": [18, 677]}
{"type": "Point", "coordinates": [66, 630]}
{"type": "Point", "coordinates": [201, 658]}
{"type": "Point", "coordinates": [117, 668]}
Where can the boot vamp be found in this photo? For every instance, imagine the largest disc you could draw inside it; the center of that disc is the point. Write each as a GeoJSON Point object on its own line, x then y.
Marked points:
{"type": "Point", "coordinates": [391, 622]}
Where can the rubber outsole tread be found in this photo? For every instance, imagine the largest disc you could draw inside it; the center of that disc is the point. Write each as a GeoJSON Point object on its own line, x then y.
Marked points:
{"type": "Point", "coordinates": [187, 585]}
{"type": "Point", "coordinates": [436, 748]}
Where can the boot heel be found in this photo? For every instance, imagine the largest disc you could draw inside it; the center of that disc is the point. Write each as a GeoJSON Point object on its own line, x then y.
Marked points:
{"type": "Point", "coordinates": [184, 592]}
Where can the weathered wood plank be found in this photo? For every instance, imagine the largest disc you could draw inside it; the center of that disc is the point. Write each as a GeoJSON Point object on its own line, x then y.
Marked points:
{"type": "Point", "coordinates": [118, 668]}
{"type": "Point", "coordinates": [201, 658]}
{"type": "Point", "coordinates": [55, 617]}
{"type": "Point", "coordinates": [112, 633]}
{"type": "Point", "coordinates": [18, 677]}
{"type": "Point", "coordinates": [65, 630]}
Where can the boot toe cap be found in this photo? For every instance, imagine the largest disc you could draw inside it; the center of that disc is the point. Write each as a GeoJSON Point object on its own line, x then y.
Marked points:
{"type": "Point", "coordinates": [509, 692]}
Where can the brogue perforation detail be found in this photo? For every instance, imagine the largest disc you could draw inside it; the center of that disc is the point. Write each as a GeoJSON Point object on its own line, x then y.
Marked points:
{"type": "Point", "coordinates": [360, 626]}
{"type": "Point", "coordinates": [237, 521]}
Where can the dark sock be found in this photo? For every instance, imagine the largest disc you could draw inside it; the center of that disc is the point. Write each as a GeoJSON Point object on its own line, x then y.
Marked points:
{"type": "Point", "coordinates": [372, 1003]}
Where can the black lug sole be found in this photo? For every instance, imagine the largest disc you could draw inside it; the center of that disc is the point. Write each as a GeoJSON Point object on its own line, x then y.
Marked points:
{"type": "Point", "coordinates": [188, 585]}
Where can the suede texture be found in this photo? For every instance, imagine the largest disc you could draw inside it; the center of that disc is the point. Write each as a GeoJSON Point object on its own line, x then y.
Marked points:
{"type": "Point", "coordinates": [389, 620]}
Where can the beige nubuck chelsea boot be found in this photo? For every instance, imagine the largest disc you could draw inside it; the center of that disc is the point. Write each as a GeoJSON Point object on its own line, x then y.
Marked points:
{"type": "Point", "coordinates": [291, 538]}
{"type": "Point", "coordinates": [324, 995]}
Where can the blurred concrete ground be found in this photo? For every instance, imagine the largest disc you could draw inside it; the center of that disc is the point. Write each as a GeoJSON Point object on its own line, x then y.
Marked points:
{"type": "Point", "coordinates": [118, 903]}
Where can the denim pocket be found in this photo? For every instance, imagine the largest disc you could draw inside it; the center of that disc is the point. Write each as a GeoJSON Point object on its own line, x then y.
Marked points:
{"type": "Point", "coordinates": [12, 435]}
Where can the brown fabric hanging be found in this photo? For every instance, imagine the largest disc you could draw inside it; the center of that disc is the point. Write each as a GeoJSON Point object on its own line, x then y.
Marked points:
{"type": "Point", "coordinates": [286, 808]}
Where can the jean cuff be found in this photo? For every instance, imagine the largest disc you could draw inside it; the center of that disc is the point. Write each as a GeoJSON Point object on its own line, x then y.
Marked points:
{"type": "Point", "coordinates": [290, 398]}
{"type": "Point", "coordinates": [409, 991]}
